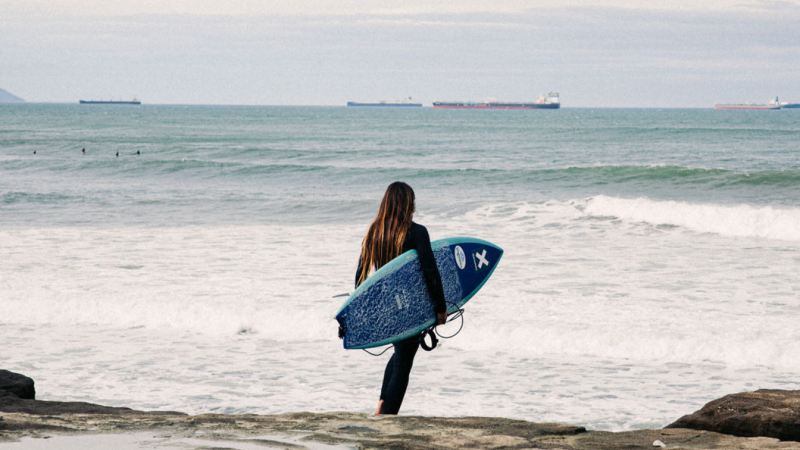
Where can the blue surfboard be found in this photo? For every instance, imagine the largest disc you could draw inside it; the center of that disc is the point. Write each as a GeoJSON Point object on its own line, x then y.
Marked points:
{"type": "Point", "coordinates": [394, 304]}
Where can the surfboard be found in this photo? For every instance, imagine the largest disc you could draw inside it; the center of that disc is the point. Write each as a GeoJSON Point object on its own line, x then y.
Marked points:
{"type": "Point", "coordinates": [394, 304]}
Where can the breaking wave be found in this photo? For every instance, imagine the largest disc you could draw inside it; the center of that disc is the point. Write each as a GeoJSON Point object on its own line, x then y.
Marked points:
{"type": "Point", "coordinates": [728, 220]}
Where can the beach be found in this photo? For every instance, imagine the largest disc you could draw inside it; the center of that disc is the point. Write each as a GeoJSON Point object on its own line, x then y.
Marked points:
{"type": "Point", "coordinates": [650, 257]}
{"type": "Point", "coordinates": [35, 424]}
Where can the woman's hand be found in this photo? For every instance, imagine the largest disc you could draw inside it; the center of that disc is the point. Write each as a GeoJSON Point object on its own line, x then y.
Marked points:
{"type": "Point", "coordinates": [441, 317]}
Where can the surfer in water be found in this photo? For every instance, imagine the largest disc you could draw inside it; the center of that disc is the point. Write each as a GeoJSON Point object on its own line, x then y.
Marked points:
{"type": "Point", "coordinates": [390, 234]}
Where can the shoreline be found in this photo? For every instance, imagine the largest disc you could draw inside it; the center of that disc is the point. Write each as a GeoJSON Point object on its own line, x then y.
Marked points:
{"type": "Point", "coordinates": [28, 423]}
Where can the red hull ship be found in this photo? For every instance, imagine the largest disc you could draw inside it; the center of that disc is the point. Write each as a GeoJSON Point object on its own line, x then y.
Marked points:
{"type": "Point", "coordinates": [772, 104]}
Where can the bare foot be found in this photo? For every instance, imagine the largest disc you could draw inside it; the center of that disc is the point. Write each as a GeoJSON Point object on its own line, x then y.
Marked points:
{"type": "Point", "coordinates": [379, 408]}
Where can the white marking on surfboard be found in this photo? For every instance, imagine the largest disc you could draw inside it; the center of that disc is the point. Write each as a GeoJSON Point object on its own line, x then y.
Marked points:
{"type": "Point", "coordinates": [461, 259]}
{"type": "Point", "coordinates": [482, 259]}
{"type": "Point", "coordinates": [399, 300]}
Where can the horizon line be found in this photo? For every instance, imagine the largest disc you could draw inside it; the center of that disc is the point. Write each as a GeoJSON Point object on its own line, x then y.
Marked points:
{"type": "Point", "coordinates": [337, 105]}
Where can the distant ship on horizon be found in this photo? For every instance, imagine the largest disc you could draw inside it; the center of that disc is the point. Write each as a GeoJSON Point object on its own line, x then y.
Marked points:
{"type": "Point", "coordinates": [550, 101]}
{"type": "Point", "coordinates": [110, 102]}
{"type": "Point", "coordinates": [771, 105]}
{"type": "Point", "coordinates": [407, 103]}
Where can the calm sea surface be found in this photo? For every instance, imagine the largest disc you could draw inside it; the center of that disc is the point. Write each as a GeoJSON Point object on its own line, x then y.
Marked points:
{"type": "Point", "coordinates": [651, 256]}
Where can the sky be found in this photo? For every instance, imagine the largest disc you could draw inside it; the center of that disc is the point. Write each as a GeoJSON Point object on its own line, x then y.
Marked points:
{"type": "Point", "coordinates": [595, 53]}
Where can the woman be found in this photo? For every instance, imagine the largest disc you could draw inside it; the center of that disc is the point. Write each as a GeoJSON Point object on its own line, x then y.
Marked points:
{"type": "Point", "coordinates": [390, 234]}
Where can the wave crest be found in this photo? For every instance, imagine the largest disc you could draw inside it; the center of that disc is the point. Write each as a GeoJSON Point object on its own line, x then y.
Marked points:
{"type": "Point", "coordinates": [727, 220]}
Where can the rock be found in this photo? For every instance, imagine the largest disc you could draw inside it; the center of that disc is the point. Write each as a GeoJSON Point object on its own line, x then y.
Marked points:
{"type": "Point", "coordinates": [12, 404]}
{"type": "Point", "coordinates": [765, 412]}
{"type": "Point", "coordinates": [17, 384]}
{"type": "Point", "coordinates": [349, 430]}
{"type": "Point", "coordinates": [768, 414]}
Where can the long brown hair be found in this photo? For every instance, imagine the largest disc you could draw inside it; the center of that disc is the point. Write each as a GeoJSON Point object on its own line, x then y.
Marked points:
{"type": "Point", "coordinates": [385, 237]}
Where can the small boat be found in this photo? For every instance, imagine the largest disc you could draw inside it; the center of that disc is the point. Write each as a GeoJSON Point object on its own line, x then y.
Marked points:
{"type": "Point", "coordinates": [550, 101]}
{"type": "Point", "coordinates": [110, 102]}
{"type": "Point", "coordinates": [407, 103]}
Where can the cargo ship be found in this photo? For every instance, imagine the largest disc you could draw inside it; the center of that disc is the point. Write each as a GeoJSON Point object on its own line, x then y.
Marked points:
{"type": "Point", "coordinates": [408, 103]}
{"type": "Point", "coordinates": [787, 105]}
{"type": "Point", "coordinates": [110, 102]}
{"type": "Point", "coordinates": [549, 101]}
{"type": "Point", "coordinates": [771, 105]}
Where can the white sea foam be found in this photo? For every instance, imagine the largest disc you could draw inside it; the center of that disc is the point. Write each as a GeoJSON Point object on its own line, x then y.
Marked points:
{"type": "Point", "coordinates": [214, 281]}
{"type": "Point", "coordinates": [584, 314]}
{"type": "Point", "coordinates": [575, 283]}
{"type": "Point", "coordinates": [728, 220]}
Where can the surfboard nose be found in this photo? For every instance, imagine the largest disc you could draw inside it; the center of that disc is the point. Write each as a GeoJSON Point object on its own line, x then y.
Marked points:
{"type": "Point", "coordinates": [481, 255]}
{"type": "Point", "coordinates": [476, 260]}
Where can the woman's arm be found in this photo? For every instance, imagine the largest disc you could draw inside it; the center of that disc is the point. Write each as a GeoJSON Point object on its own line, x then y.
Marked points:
{"type": "Point", "coordinates": [422, 244]}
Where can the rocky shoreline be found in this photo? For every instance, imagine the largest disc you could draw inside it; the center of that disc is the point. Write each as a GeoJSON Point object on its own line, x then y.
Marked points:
{"type": "Point", "coordinates": [27, 418]}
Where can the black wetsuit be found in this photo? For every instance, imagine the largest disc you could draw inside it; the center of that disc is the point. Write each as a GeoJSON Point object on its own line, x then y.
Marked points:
{"type": "Point", "coordinates": [395, 377]}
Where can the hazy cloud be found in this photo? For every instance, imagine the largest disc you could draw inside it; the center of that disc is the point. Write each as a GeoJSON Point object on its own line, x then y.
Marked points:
{"type": "Point", "coordinates": [616, 53]}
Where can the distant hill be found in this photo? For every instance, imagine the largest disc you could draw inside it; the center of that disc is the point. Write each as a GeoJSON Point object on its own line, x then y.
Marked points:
{"type": "Point", "coordinates": [8, 97]}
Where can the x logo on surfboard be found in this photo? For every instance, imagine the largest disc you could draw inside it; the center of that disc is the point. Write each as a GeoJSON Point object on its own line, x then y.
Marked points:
{"type": "Point", "coordinates": [480, 260]}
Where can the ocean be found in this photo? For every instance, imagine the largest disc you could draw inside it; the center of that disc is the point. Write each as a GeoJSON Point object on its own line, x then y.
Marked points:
{"type": "Point", "coordinates": [650, 266]}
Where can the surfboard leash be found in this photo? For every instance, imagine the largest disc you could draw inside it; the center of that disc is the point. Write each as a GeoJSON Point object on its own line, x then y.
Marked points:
{"type": "Point", "coordinates": [432, 333]}
{"type": "Point", "coordinates": [378, 354]}
{"type": "Point", "coordinates": [459, 314]}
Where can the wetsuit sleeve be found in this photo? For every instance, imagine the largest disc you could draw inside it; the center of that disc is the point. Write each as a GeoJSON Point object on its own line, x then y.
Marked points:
{"type": "Point", "coordinates": [358, 271]}
{"type": "Point", "coordinates": [422, 244]}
